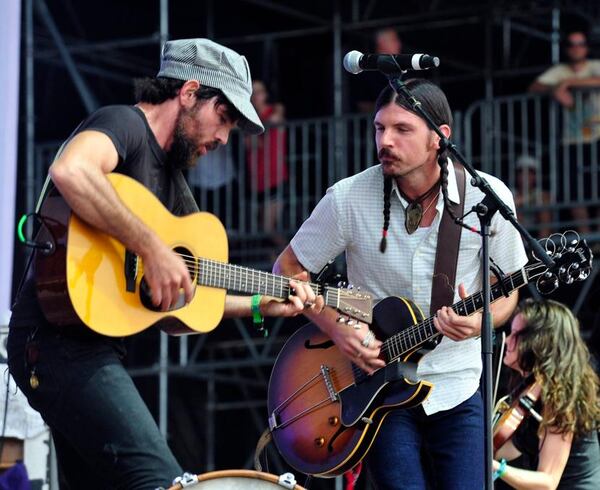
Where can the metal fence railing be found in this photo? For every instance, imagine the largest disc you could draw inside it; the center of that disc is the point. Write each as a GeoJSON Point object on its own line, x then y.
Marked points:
{"type": "Point", "coordinates": [263, 187]}
{"type": "Point", "coordinates": [546, 153]}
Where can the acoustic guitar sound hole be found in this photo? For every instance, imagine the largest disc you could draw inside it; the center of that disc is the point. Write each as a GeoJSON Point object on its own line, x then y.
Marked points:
{"type": "Point", "coordinates": [193, 267]}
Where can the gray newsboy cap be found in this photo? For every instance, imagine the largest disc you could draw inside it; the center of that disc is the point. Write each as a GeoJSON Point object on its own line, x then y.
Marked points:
{"type": "Point", "coordinates": [215, 66]}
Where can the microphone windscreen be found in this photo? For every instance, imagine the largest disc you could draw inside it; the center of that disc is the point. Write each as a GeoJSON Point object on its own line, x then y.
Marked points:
{"type": "Point", "coordinates": [351, 62]}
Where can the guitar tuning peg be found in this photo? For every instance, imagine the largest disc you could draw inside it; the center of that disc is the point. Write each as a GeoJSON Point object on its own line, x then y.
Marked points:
{"type": "Point", "coordinates": [341, 284]}
{"type": "Point", "coordinates": [350, 322]}
{"type": "Point", "coordinates": [358, 288]}
{"type": "Point", "coordinates": [350, 286]}
{"type": "Point", "coordinates": [341, 319]}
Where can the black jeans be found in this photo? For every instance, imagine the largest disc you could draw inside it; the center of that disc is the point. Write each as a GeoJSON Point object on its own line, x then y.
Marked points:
{"type": "Point", "coordinates": [104, 434]}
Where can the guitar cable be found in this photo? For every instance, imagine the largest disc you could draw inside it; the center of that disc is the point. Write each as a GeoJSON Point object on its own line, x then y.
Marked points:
{"type": "Point", "coordinates": [45, 247]}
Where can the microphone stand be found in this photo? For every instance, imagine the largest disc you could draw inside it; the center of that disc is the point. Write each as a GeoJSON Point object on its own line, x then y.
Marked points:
{"type": "Point", "coordinates": [485, 210]}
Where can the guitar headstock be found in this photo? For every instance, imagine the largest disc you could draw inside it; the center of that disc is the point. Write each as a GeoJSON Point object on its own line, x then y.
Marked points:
{"type": "Point", "coordinates": [353, 303]}
{"type": "Point", "coordinates": [572, 261]}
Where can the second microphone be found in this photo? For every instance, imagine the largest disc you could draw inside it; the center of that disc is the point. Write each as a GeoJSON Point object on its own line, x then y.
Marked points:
{"type": "Point", "coordinates": [355, 62]}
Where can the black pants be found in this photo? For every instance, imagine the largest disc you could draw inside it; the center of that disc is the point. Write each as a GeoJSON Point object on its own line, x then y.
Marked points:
{"type": "Point", "coordinates": [105, 437]}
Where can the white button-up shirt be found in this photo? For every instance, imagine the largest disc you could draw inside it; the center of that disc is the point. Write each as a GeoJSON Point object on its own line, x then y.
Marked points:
{"type": "Point", "coordinates": [350, 218]}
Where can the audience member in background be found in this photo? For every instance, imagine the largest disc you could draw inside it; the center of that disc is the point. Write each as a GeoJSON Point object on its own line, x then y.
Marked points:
{"type": "Point", "coordinates": [581, 121]}
{"type": "Point", "coordinates": [529, 193]}
{"type": "Point", "coordinates": [545, 346]}
{"type": "Point", "coordinates": [366, 87]}
{"type": "Point", "coordinates": [267, 164]}
{"type": "Point", "coordinates": [213, 180]}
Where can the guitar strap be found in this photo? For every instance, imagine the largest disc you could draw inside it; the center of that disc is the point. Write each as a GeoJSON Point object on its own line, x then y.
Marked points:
{"type": "Point", "coordinates": [187, 202]}
{"type": "Point", "coordinates": [46, 188]}
{"type": "Point", "coordinates": [446, 254]}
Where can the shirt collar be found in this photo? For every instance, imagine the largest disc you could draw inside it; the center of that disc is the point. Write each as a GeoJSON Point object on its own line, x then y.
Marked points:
{"type": "Point", "coordinates": [453, 193]}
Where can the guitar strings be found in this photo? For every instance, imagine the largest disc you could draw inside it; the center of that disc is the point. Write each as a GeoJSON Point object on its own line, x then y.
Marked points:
{"type": "Point", "coordinates": [394, 343]}
{"type": "Point", "coordinates": [271, 284]}
{"type": "Point", "coordinates": [216, 270]}
{"type": "Point", "coordinates": [194, 262]}
{"type": "Point", "coordinates": [392, 347]}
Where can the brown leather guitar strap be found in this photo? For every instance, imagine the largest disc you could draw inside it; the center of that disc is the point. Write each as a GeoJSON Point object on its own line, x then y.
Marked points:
{"type": "Point", "coordinates": [446, 254]}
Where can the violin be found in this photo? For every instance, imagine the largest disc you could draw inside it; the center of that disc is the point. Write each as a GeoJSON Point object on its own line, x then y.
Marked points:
{"type": "Point", "coordinates": [508, 418]}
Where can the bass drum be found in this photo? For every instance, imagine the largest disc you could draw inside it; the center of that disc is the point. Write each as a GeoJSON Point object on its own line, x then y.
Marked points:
{"type": "Point", "coordinates": [238, 480]}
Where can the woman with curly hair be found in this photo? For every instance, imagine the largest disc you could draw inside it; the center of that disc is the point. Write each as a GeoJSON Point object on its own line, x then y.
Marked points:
{"type": "Point", "coordinates": [545, 346]}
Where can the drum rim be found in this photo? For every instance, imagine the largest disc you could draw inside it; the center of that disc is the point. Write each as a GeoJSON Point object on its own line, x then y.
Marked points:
{"type": "Point", "coordinates": [259, 475]}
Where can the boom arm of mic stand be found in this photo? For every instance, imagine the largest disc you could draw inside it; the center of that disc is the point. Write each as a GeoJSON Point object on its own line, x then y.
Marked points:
{"type": "Point", "coordinates": [400, 88]}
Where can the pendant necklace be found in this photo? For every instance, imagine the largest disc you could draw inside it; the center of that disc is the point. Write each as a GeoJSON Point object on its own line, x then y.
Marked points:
{"type": "Point", "coordinates": [414, 210]}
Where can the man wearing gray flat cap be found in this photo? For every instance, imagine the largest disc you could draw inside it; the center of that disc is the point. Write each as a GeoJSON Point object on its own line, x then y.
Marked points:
{"type": "Point", "coordinates": [104, 435]}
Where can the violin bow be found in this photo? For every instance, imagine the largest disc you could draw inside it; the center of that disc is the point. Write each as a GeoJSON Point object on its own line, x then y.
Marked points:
{"type": "Point", "coordinates": [502, 344]}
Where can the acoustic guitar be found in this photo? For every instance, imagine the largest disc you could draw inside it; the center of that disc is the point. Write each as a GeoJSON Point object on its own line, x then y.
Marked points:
{"type": "Point", "coordinates": [89, 277]}
{"type": "Point", "coordinates": [325, 412]}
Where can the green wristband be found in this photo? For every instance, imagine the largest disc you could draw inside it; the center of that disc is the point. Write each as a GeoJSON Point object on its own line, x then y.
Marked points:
{"type": "Point", "coordinates": [257, 318]}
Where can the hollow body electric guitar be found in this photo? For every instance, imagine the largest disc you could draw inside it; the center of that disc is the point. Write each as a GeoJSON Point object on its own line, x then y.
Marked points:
{"type": "Point", "coordinates": [324, 412]}
{"type": "Point", "coordinates": [89, 277]}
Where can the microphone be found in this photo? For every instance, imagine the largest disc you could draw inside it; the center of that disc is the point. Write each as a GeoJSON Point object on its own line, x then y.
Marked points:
{"type": "Point", "coordinates": [355, 62]}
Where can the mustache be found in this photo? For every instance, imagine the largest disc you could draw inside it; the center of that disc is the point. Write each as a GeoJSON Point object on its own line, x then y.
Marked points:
{"type": "Point", "coordinates": [386, 153]}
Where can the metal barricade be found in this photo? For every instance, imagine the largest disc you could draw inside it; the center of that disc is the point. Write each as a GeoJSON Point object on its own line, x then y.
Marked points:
{"type": "Point", "coordinates": [263, 187]}
{"type": "Point", "coordinates": [546, 153]}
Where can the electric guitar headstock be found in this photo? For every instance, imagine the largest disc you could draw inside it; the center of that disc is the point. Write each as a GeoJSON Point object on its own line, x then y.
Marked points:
{"type": "Point", "coordinates": [352, 303]}
{"type": "Point", "coordinates": [572, 261]}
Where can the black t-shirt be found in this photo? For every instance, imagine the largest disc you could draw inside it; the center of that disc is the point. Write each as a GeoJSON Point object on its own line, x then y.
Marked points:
{"type": "Point", "coordinates": [582, 471]}
{"type": "Point", "coordinates": [140, 157]}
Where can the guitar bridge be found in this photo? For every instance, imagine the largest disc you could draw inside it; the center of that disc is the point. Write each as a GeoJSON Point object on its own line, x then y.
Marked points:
{"type": "Point", "coordinates": [333, 396]}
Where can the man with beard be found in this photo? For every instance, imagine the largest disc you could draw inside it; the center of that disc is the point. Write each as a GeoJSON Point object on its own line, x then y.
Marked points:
{"type": "Point", "coordinates": [386, 219]}
{"type": "Point", "coordinates": [103, 432]}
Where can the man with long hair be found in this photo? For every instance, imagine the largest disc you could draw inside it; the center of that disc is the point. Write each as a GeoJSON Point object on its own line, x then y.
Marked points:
{"type": "Point", "coordinates": [545, 346]}
{"type": "Point", "coordinates": [386, 219]}
{"type": "Point", "coordinates": [104, 435]}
